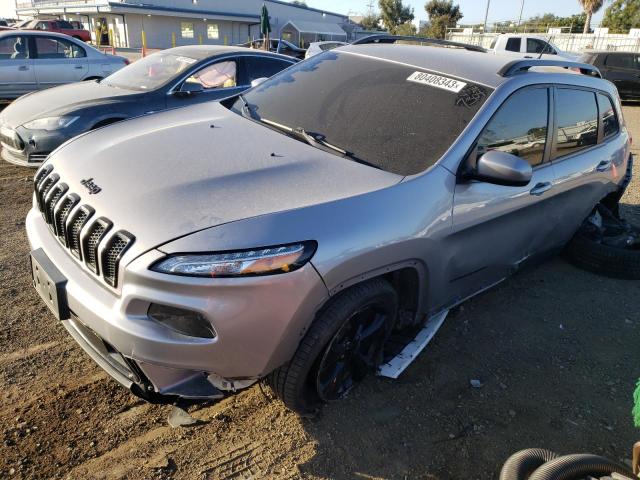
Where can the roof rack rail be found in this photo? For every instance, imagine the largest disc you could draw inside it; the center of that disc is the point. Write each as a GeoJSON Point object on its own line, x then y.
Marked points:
{"type": "Point", "coordinates": [522, 66]}
{"type": "Point", "coordinates": [387, 38]}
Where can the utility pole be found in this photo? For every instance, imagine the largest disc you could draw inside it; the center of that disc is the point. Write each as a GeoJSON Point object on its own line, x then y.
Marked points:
{"type": "Point", "coordinates": [370, 7]}
{"type": "Point", "coordinates": [486, 15]}
{"type": "Point", "coordinates": [521, 9]}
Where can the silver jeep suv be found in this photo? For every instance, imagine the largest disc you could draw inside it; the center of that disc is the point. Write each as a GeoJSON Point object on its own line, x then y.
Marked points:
{"type": "Point", "coordinates": [301, 231]}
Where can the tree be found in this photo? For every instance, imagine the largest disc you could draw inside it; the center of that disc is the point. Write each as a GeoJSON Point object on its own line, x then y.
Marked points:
{"type": "Point", "coordinates": [590, 7]}
{"type": "Point", "coordinates": [622, 15]}
{"type": "Point", "coordinates": [443, 14]}
{"type": "Point", "coordinates": [370, 22]}
{"type": "Point", "coordinates": [394, 14]}
{"type": "Point", "coordinates": [541, 23]}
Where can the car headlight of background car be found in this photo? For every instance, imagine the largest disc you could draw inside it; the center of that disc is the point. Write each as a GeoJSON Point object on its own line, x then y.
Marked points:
{"type": "Point", "coordinates": [50, 123]}
{"type": "Point", "coordinates": [259, 261]}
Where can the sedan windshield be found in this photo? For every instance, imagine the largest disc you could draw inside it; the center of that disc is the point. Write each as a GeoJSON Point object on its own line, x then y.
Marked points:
{"type": "Point", "coordinates": [396, 117]}
{"type": "Point", "coordinates": [151, 72]}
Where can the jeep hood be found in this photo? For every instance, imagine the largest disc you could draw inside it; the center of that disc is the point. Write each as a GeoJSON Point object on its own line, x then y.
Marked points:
{"type": "Point", "coordinates": [166, 175]}
{"type": "Point", "coordinates": [62, 100]}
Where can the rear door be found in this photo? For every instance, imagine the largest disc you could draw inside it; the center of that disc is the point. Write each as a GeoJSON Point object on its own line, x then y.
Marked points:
{"type": "Point", "coordinates": [513, 47]}
{"type": "Point", "coordinates": [17, 75]}
{"type": "Point", "coordinates": [253, 67]}
{"type": "Point", "coordinates": [58, 61]}
{"type": "Point", "coordinates": [623, 69]}
{"type": "Point", "coordinates": [496, 228]}
{"type": "Point", "coordinates": [588, 153]}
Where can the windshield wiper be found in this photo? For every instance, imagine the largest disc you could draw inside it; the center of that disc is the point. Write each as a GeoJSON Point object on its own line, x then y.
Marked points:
{"type": "Point", "coordinates": [318, 141]}
{"type": "Point", "coordinates": [246, 108]}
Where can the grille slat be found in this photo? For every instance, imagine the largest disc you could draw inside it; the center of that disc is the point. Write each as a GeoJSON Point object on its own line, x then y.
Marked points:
{"type": "Point", "coordinates": [79, 220]}
{"type": "Point", "coordinates": [91, 242]}
{"type": "Point", "coordinates": [52, 200]}
{"type": "Point", "coordinates": [118, 244]}
{"type": "Point", "coordinates": [60, 216]}
{"type": "Point", "coordinates": [56, 206]}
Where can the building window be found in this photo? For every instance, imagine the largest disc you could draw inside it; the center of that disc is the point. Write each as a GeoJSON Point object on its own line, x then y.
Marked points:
{"type": "Point", "coordinates": [213, 32]}
{"type": "Point", "coordinates": [186, 29]}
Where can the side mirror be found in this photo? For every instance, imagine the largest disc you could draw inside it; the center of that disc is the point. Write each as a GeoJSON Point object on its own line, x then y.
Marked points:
{"type": "Point", "coordinates": [190, 88]}
{"type": "Point", "coordinates": [258, 81]}
{"type": "Point", "coordinates": [503, 168]}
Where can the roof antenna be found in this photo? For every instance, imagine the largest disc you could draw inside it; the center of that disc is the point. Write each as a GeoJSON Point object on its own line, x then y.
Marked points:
{"type": "Point", "coordinates": [547, 44]}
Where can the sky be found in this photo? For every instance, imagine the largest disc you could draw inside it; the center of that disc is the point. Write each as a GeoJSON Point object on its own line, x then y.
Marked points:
{"type": "Point", "coordinates": [473, 10]}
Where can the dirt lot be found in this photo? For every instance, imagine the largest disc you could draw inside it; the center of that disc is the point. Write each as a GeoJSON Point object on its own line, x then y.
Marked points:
{"type": "Point", "coordinates": [556, 349]}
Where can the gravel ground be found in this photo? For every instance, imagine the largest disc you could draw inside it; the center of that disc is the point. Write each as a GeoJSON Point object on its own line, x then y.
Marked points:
{"type": "Point", "coordinates": [555, 349]}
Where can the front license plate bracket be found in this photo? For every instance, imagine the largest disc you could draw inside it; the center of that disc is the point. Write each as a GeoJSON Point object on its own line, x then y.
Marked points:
{"type": "Point", "coordinates": [50, 284]}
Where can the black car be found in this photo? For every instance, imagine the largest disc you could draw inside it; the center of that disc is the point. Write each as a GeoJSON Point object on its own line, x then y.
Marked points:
{"type": "Point", "coordinates": [36, 124]}
{"type": "Point", "coordinates": [621, 68]}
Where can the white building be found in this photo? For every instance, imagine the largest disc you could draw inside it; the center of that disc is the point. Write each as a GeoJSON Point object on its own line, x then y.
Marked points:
{"type": "Point", "coordinates": [183, 22]}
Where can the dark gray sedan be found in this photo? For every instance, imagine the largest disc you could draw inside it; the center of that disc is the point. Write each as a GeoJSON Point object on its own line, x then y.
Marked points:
{"type": "Point", "coordinates": [36, 124]}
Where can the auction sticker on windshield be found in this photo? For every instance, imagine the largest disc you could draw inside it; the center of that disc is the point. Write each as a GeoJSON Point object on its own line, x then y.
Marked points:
{"type": "Point", "coordinates": [437, 81]}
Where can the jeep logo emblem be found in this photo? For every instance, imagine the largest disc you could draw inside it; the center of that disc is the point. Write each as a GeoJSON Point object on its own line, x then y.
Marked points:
{"type": "Point", "coordinates": [91, 186]}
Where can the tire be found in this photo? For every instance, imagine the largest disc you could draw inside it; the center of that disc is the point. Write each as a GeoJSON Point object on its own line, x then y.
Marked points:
{"type": "Point", "coordinates": [602, 259]}
{"type": "Point", "coordinates": [296, 382]}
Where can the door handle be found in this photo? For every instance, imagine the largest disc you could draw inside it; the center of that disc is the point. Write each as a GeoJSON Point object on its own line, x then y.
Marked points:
{"type": "Point", "coordinates": [540, 188]}
{"type": "Point", "coordinates": [79, 67]}
{"type": "Point", "coordinates": [603, 166]}
{"type": "Point", "coordinates": [23, 68]}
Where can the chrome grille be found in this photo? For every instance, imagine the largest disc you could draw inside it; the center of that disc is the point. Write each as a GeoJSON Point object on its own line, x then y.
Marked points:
{"type": "Point", "coordinates": [67, 219]}
{"type": "Point", "coordinates": [60, 216]}
{"type": "Point", "coordinates": [111, 255]}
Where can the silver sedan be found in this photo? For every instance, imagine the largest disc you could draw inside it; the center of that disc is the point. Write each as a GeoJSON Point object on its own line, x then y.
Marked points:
{"type": "Point", "coordinates": [37, 60]}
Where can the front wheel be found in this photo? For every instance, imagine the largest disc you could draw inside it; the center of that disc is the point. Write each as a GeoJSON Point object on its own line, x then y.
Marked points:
{"type": "Point", "coordinates": [343, 345]}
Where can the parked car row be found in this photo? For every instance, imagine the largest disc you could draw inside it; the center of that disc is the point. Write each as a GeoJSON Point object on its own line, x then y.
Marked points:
{"type": "Point", "coordinates": [72, 28]}
{"type": "Point", "coordinates": [303, 231]}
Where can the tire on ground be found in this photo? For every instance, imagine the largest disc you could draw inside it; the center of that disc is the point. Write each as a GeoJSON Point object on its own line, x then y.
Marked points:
{"type": "Point", "coordinates": [602, 259]}
{"type": "Point", "coordinates": [294, 383]}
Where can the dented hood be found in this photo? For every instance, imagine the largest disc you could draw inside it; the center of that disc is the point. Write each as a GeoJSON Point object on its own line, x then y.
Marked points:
{"type": "Point", "coordinates": [167, 175]}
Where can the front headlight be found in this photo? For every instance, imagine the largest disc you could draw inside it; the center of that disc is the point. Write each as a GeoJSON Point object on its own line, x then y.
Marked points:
{"type": "Point", "coordinates": [50, 123]}
{"type": "Point", "coordinates": [260, 261]}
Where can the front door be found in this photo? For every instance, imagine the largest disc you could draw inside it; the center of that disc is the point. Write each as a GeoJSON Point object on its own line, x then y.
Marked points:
{"type": "Point", "coordinates": [214, 82]}
{"type": "Point", "coordinates": [59, 61]}
{"type": "Point", "coordinates": [17, 75]}
{"type": "Point", "coordinates": [497, 228]}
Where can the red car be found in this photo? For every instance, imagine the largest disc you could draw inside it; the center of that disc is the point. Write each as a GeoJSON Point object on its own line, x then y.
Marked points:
{"type": "Point", "coordinates": [59, 26]}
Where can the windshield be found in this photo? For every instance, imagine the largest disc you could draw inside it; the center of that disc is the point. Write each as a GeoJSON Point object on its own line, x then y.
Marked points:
{"type": "Point", "coordinates": [150, 72]}
{"type": "Point", "coordinates": [393, 116]}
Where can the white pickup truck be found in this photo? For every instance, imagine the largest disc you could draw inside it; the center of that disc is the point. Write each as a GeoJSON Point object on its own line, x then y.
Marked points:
{"type": "Point", "coordinates": [528, 46]}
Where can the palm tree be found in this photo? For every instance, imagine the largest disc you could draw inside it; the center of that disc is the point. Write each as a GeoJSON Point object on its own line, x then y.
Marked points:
{"type": "Point", "coordinates": [590, 7]}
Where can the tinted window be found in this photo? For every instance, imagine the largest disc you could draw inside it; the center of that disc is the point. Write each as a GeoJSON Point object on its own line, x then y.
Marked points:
{"type": "Point", "coordinates": [14, 48]}
{"type": "Point", "coordinates": [576, 119]}
{"type": "Point", "coordinates": [258, 67]}
{"type": "Point", "coordinates": [608, 115]}
{"type": "Point", "coordinates": [519, 127]}
{"type": "Point", "coordinates": [64, 25]}
{"type": "Point", "coordinates": [48, 47]}
{"type": "Point", "coordinates": [621, 61]}
{"type": "Point", "coordinates": [388, 114]}
{"type": "Point", "coordinates": [218, 75]}
{"type": "Point", "coordinates": [513, 44]}
{"type": "Point", "coordinates": [538, 46]}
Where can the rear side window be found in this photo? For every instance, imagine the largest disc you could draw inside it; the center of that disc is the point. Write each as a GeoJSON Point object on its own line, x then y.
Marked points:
{"type": "Point", "coordinates": [50, 48]}
{"type": "Point", "coordinates": [608, 115]}
{"type": "Point", "coordinates": [513, 44]}
{"type": "Point", "coordinates": [622, 61]}
{"type": "Point", "coordinates": [538, 46]}
{"type": "Point", "coordinates": [261, 67]}
{"type": "Point", "coordinates": [519, 127]}
{"type": "Point", "coordinates": [576, 121]}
